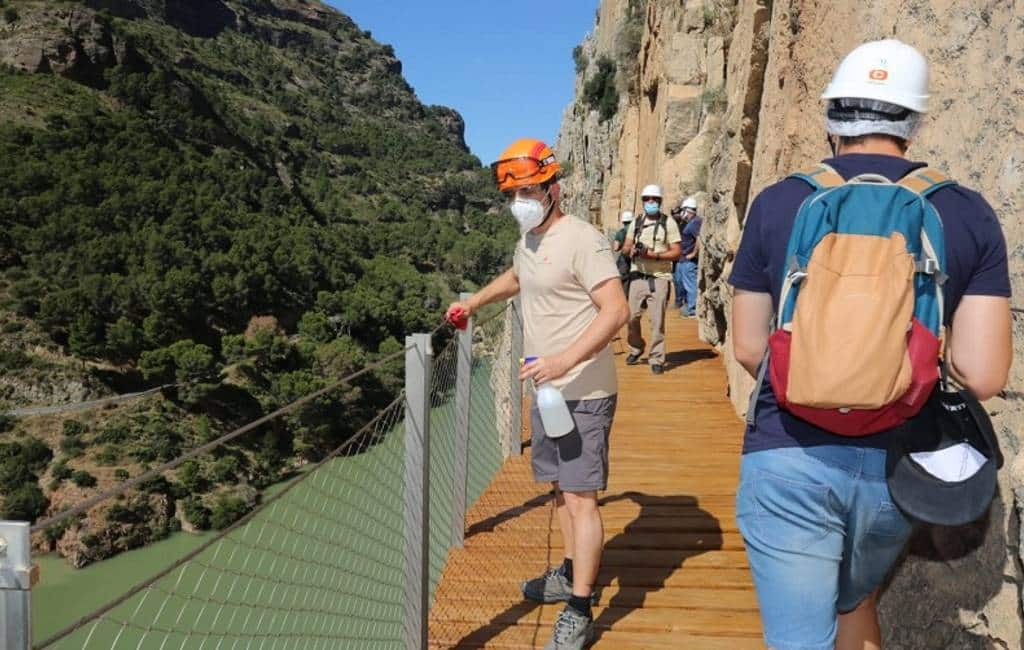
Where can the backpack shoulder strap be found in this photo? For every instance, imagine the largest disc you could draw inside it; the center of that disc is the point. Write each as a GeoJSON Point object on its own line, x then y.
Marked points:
{"type": "Point", "coordinates": [638, 228]}
{"type": "Point", "coordinates": [822, 177]}
{"type": "Point", "coordinates": [663, 222]}
{"type": "Point", "coordinates": [925, 181]}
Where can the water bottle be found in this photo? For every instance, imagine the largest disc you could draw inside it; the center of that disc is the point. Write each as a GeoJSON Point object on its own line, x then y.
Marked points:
{"type": "Point", "coordinates": [554, 412]}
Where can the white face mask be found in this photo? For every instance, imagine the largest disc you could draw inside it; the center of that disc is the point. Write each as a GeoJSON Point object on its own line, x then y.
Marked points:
{"type": "Point", "coordinates": [529, 213]}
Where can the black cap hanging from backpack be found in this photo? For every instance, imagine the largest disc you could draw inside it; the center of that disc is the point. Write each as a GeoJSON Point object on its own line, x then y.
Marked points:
{"type": "Point", "coordinates": [942, 463]}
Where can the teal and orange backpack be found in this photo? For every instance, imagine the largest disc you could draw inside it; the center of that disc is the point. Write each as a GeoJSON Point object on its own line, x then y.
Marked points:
{"type": "Point", "coordinates": [859, 328]}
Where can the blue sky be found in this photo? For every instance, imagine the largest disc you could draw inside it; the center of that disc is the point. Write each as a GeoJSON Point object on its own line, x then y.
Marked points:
{"type": "Point", "coordinates": [505, 66]}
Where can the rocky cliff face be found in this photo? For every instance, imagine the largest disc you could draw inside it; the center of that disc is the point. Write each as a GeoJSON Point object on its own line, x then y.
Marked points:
{"type": "Point", "coordinates": [728, 104]}
{"type": "Point", "coordinates": [670, 62]}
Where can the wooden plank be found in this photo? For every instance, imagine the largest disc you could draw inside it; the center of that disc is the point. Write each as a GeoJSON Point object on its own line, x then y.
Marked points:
{"type": "Point", "coordinates": [619, 524]}
{"type": "Point", "coordinates": [642, 619]}
{"type": "Point", "coordinates": [507, 595]}
{"type": "Point", "coordinates": [534, 637]}
{"type": "Point", "coordinates": [652, 578]}
{"type": "Point", "coordinates": [536, 556]}
{"type": "Point", "coordinates": [629, 540]}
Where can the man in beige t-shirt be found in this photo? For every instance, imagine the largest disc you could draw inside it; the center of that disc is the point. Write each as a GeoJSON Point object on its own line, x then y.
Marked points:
{"type": "Point", "coordinates": [572, 304]}
{"type": "Point", "coordinates": [653, 242]}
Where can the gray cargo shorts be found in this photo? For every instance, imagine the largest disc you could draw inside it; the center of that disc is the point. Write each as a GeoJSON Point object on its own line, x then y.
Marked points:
{"type": "Point", "coordinates": [579, 459]}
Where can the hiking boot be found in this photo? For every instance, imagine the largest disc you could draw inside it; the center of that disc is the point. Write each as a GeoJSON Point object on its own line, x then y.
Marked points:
{"type": "Point", "coordinates": [573, 631]}
{"type": "Point", "coordinates": [552, 587]}
{"type": "Point", "coordinates": [657, 368]}
{"type": "Point", "coordinates": [632, 359]}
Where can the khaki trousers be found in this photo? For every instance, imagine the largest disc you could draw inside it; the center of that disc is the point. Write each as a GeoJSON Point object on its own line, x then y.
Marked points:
{"type": "Point", "coordinates": [641, 291]}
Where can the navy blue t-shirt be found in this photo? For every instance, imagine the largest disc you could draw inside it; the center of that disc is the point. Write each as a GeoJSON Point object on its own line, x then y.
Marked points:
{"type": "Point", "coordinates": [690, 233]}
{"type": "Point", "coordinates": [975, 257]}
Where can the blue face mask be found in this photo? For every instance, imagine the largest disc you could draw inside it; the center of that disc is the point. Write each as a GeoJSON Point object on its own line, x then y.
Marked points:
{"type": "Point", "coordinates": [651, 208]}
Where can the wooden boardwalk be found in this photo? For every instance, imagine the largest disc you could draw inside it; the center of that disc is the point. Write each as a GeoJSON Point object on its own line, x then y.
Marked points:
{"type": "Point", "coordinates": [674, 573]}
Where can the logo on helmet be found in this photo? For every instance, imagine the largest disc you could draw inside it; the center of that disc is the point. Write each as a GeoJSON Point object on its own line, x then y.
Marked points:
{"type": "Point", "coordinates": [878, 74]}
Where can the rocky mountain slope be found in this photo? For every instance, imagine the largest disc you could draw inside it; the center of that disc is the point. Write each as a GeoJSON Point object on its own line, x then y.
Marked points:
{"type": "Point", "coordinates": [720, 98]}
{"type": "Point", "coordinates": [240, 198]}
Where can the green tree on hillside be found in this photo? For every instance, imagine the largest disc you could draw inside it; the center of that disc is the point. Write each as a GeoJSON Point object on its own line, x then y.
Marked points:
{"type": "Point", "coordinates": [154, 209]}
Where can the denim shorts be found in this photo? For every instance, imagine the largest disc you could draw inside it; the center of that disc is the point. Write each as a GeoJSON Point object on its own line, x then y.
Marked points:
{"type": "Point", "coordinates": [821, 533]}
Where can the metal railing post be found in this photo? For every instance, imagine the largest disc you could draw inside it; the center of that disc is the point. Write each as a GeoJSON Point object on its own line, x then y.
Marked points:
{"type": "Point", "coordinates": [463, 395]}
{"type": "Point", "coordinates": [516, 386]}
{"type": "Point", "coordinates": [419, 358]}
{"type": "Point", "coordinates": [15, 586]}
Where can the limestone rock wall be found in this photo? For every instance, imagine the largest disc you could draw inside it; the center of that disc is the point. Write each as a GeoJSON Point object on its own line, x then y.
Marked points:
{"type": "Point", "coordinates": [727, 104]}
{"type": "Point", "coordinates": [670, 101]}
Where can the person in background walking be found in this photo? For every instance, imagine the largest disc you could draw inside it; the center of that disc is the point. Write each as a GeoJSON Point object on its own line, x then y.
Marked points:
{"type": "Point", "coordinates": [686, 269]}
{"type": "Point", "coordinates": [653, 244]}
{"type": "Point", "coordinates": [619, 238]}
{"type": "Point", "coordinates": [622, 261]}
{"type": "Point", "coordinates": [677, 271]}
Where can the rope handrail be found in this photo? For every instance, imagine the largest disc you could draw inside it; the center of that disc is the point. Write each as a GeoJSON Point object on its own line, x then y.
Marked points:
{"type": "Point", "coordinates": [497, 312]}
{"type": "Point", "coordinates": [72, 407]}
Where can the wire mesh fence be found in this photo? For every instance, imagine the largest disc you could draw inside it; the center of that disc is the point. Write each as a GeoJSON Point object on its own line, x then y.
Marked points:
{"type": "Point", "coordinates": [316, 565]}
{"type": "Point", "coordinates": [442, 457]}
{"type": "Point", "coordinates": [496, 434]}
{"type": "Point", "coordinates": [485, 578]}
{"type": "Point", "coordinates": [330, 559]}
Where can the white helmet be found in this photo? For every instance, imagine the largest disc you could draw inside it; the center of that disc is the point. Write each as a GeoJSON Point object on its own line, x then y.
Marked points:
{"type": "Point", "coordinates": [690, 202]}
{"type": "Point", "coordinates": [627, 216]}
{"type": "Point", "coordinates": [888, 71]}
{"type": "Point", "coordinates": [652, 191]}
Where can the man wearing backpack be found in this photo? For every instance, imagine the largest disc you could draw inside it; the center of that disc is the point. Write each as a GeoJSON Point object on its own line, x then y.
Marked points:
{"type": "Point", "coordinates": [861, 280]}
{"type": "Point", "coordinates": [652, 242]}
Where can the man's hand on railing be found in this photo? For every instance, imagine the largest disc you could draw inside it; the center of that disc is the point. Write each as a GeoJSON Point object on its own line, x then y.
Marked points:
{"type": "Point", "coordinates": [458, 314]}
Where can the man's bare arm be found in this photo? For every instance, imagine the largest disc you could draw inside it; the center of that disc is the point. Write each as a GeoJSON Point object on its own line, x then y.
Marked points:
{"type": "Point", "coordinates": [980, 347]}
{"type": "Point", "coordinates": [502, 287]}
{"type": "Point", "coordinates": [751, 325]}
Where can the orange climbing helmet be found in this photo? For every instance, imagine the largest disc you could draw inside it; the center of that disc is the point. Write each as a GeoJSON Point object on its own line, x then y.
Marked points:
{"type": "Point", "coordinates": [526, 161]}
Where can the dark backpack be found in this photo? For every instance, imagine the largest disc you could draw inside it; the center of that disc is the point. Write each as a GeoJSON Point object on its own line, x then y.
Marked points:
{"type": "Point", "coordinates": [622, 263]}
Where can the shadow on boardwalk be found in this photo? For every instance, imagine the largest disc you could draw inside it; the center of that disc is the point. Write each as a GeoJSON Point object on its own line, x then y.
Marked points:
{"type": "Point", "coordinates": [703, 530]}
